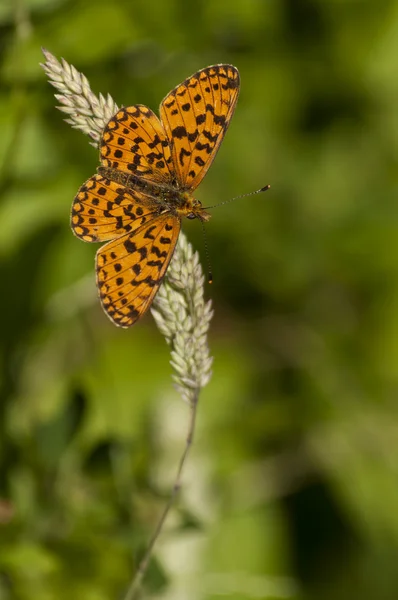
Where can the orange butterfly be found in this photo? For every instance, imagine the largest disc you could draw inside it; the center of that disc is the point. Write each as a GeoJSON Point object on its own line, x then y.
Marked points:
{"type": "Point", "coordinates": [149, 169]}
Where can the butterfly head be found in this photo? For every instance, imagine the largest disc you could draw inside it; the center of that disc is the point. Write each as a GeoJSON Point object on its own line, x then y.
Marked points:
{"type": "Point", "coordinates": [193, 209]}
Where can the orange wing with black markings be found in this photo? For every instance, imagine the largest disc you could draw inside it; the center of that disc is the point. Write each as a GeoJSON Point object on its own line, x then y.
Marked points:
{"type": "Point", "coordinates": [143, 188]}
{"type": "Point", "coordinates": [195, 116]}
{"type": "Point", "coordinates": [130, 269]}
{"type": "Point", "coordinates": [103, 210]}
{"type": "Point", "coordinates": [134, 141]}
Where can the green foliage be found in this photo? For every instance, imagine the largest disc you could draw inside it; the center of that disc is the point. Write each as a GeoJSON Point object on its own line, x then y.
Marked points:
{"type": "Point", "coordinates": [291, 490]}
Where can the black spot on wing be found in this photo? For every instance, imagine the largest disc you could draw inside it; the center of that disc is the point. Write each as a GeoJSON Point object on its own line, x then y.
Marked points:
{"type": "Point", "coordinates": [130, 246]}
{"type": "Point", "coordinates": [179, 132]}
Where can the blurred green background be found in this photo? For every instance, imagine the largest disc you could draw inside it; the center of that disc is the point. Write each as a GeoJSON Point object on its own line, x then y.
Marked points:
{"type": "Point", "coordinates": [291, 490]}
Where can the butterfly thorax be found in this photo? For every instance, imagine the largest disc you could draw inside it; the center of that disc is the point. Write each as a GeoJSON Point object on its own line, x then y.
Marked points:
{"type": "Point", "coordinates": [166, 198]}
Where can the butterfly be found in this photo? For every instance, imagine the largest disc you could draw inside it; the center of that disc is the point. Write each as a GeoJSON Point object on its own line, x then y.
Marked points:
{"type": "Point", "coordinates": [149, 170]}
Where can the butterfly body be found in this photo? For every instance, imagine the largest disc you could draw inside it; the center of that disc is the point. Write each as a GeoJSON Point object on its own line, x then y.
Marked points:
{"type": "Point", "coordinates": [144, 187]}
{"type": "Point", "coordinates": [163, 198]}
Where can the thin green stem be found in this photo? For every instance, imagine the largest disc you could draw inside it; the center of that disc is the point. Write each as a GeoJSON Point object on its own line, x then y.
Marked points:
{"type": "Point", "coordinates": [135, 586]}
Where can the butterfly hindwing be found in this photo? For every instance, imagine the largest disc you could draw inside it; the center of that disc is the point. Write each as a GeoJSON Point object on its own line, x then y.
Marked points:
{"type": "Point", "coordinates": [134, 141]}
{"type": "Point", "coordinates": [195, 116]}
{"type": "Point", "coordinates": [130, 269]}
{"type": "Point", "coordinates": [103, 210]}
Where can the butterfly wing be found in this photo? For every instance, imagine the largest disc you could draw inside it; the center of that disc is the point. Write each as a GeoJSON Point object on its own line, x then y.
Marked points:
{"type": "Point", "coordinates": [195, 116]}
{"type": "Point", "coordinates": [103, 210]}
{"type": "Point", "coordinates": [134, 141]}
{"type": "Point", "coordinates": [130, 269]}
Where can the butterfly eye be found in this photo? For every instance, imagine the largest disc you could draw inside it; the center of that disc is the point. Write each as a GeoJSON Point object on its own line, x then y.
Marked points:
{"type": "Point", "coordinates": [191, 216]}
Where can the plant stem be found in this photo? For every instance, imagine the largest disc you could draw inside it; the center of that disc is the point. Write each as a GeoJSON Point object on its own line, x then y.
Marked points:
{"type": "Point", "coordinates": [135, 586]}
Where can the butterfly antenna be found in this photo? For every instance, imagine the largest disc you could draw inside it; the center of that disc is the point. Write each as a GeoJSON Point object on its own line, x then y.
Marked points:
{"type": "Point", "coordinates": [263, 189]}
{"type": "Point", "coordinates": [209, 271]}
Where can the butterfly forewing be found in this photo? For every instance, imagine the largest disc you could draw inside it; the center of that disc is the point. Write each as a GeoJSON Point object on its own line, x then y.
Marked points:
{"type": "Point", "coordinates": [134, 141]}
{"type": "Point", "coordinates": [195, 116]}
{"type": "Point", "coordinates": [131, 268]}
